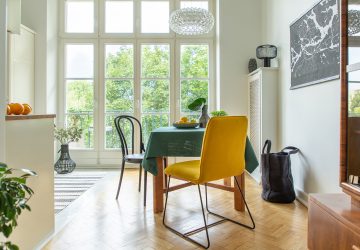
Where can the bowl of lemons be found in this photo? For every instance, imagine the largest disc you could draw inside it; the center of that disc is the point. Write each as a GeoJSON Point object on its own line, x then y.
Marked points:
{"type": "Point", "coordinates": [184, 122]}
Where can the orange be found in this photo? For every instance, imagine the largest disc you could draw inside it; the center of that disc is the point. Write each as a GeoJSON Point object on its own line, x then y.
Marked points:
{"type": "Point", "coordinates": [8, 110]}
{"type": "Point", "coordinates": [27, 109]}
{"type": "Point", "coordinates": [184, 119]}
{"type": "Point", "coordinates": [16, 108]}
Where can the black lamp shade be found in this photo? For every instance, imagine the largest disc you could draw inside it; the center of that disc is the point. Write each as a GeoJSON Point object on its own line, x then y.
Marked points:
{"type": "Point", "coordinates": [266, 52]}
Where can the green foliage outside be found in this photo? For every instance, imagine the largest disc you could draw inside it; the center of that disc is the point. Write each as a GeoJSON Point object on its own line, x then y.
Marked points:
{"type": "Point", "coordinates": [14, 195]}
{"type": "Point", "coordinates": [155, 89]}
{"type": "Point", "coordinates": [354, 103]}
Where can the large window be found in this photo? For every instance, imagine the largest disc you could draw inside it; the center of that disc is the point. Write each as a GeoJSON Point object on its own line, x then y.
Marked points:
{"type": "Point", "coordinates": [120, 57]}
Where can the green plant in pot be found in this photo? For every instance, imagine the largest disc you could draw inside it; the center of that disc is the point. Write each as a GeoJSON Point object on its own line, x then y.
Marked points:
{"type": "Point", "coordinates": [14, 195]}
{"type": "Point", "coordinates": [65, 136]}
{"type": "Point", "coordinates": [200, 104]}
{"type": "Point", "coordinates": [218, 113]}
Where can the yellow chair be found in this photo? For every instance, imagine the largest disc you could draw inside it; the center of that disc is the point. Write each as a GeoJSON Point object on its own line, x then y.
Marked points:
{"type": "Point", "coordinates": [222, 156]}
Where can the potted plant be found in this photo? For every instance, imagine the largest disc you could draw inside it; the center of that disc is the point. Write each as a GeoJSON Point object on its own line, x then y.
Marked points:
{"type": "Point", "coordinates": [218, 113]}
{"type": "Point", "coordinates": [14, 195]}
{"type": "Point", "coordinates": [66, 135]}
{"type": "Point", "coordinates": [198, 104]}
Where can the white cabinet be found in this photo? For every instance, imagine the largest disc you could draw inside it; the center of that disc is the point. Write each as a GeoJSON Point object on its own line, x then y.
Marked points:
{"type": "Point", "coordinates": [21, 69]}
{"type": "Point", "coordinates": [30, 144]}
{"type": "Point", "coordinates": [263, 111]}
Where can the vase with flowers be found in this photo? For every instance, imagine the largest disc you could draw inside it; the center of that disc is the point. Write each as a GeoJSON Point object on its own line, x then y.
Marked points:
{"type": "Point", "coordinates": [200, 104]}
{"type": "Point", "coordinates": [65, 164]}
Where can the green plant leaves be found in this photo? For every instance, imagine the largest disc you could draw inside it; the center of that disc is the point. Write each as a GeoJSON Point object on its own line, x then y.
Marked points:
{"type": "Point", "coordinates": [67, 135]}
{"type": "Point", "coordinates": [219, 113]}
{"type": "Point", "coordinates": [8, 246]}
{"type": "Point", "coordinates": [197, 104]}
{"type": "Point", "coordinates": [14, 194]}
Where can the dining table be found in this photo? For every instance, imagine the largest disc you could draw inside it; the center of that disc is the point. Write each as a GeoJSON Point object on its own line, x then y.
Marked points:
{"type": "Point", "coordinates": [167, 142]}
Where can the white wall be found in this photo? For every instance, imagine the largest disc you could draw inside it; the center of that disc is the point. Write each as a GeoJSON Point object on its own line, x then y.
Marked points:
{"type": "Point", "coordinates": [41, 16]}
{"type": "Point", "coordinates": [3, 43]}
{"type": "Point", "coordinates": [310, 116]}
{"type": "Point", "coordinates": [238, 35]}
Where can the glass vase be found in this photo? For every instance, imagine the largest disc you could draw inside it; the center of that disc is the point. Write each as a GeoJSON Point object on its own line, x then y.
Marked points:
{"type": "Point", "coordinates": [204, 118]}
{"type": "Point", "coordinates": [65, 164]}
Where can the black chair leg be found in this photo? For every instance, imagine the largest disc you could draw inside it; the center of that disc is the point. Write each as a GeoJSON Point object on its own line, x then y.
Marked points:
{"type": "Point", "coordinates": [227, 219]}
{"type": "Point", "coordinates": [187, 234]}
{"type": "Point", "coordinates": [121, 177]}
{"type": "Point", "coordinates": [145, 186]}
{"type": "Point", "coordinates": [140, 172]}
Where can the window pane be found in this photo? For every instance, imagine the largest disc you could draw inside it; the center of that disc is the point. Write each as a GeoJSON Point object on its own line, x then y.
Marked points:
{"type": "Point", "coordinates": [79, 96]}
{"type": "Point", "coordinates": [119, 61]}
{"type": "Point", "coordinates": [191, 90]}
{"type": "Point", "coordinates": [197, 4]}
{"type": "Point", "coordinates": [79, 17]}
{"type": "Point", "coordinates": [119, 17]}
{"type": "Point", "coordinates": [151, 122]}
{"type": "Point", "coordinates": [79, 61]}
{"type": "Point", "coordinates": [79, 110]}
{"type": "Point", "coordinates": [155, 95]}
{"type": "Point", "coordinates": [84, 120]}
{"type": "Point", "coordinates": [112, 139]}
{"type": "Point", "coordinates": [155, 61]}
{"type": "Point", "coordinates": [155, 17]}
{"type": "Point", "coordinates": [119, 96]}
{"type": "Point", "coordinates": [194, 61]}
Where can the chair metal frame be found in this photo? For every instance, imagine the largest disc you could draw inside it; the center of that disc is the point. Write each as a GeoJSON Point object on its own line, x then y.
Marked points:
{"type": "Point", "coordinates": [206, 226]}
{"type": "Point", "coordinates": [125, 150]}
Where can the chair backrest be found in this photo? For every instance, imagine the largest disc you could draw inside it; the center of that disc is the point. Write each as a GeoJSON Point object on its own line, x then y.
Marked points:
{"type": "Point", "coordinates": [120, 123]}
{"type": "Point", "coordinates": [223, 149]}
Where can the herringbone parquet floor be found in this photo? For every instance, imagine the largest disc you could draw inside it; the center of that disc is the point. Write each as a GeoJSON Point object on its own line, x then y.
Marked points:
{"type": "Point", "coordinates": [98, 221]}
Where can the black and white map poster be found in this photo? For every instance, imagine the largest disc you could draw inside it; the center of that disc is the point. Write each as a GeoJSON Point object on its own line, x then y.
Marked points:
{"type": "Point", "coordinates": [315, 45]}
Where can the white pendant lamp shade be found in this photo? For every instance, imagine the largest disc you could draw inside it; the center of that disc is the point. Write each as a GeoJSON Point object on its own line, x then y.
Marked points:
{"type": "Point", "coordinates": [191, 21]}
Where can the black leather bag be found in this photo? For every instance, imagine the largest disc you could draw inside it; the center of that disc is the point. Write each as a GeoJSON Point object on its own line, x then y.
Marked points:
{"type": "Point", "coordinates": [276, 177]}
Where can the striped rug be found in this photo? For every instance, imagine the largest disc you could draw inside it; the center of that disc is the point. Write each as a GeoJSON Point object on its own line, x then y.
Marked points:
{"type": "Point", "coordinates": [69, 187]}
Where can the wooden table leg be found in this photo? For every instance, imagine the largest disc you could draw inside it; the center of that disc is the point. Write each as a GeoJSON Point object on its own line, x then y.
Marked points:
{"type": "Point", "coordinates": [158, 187]}
{"type": "Point", "coordinates": [227, 182]}
{"type": "Point", "coordinates": [238, 201]}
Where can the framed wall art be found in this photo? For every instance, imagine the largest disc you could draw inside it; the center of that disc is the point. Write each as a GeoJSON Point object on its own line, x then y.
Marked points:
{"type": "Point", "coordinates": [315, 45]}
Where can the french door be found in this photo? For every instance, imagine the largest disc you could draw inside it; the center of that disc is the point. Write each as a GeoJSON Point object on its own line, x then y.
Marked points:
{"type": "Point", "coordinates": [153, 80]}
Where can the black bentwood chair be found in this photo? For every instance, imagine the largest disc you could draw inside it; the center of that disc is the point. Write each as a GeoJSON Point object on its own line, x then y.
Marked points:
{"type": "Point", "coordinates": [131, 122]}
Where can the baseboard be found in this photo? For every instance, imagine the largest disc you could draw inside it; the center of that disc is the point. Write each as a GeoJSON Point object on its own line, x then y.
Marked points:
{"type": "Point", "coordinates": [256, 175]}
{"type": "Point", "coordinates": [302, 197]}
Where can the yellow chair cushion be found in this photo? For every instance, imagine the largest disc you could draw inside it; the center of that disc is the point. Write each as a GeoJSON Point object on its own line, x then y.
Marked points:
{"type": "Point", "coordinates": [187, 170]}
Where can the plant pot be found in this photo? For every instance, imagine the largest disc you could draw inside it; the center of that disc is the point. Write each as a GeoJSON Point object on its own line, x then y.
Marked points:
{"type": "Point", "coordinates": [204, 118]}
{"type": "Point", "coordinates": [65, 164]}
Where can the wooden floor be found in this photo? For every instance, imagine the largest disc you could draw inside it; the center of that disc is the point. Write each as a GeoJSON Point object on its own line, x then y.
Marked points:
{"type": "Point", "coordinates": [98, 221]}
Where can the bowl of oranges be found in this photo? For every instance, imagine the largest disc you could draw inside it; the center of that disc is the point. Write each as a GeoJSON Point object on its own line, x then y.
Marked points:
{"type": "Point", "coordinates": [18, 109]}
{"type": "Point", "coordinates": [184, 122]}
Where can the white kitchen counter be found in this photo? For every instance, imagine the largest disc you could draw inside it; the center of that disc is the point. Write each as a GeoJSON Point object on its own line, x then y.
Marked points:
{"type": "Point", "coordinates": [30, 144]}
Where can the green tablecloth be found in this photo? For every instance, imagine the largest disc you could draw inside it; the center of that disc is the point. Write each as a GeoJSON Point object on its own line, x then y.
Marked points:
{"type": "Point", "coordinates": [171, 141]}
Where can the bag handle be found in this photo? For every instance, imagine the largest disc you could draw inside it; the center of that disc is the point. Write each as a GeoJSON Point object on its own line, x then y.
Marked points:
{"type": "Point", "coordinates": [291, 149]}
{"type": "Point", "coordinates": [267, 146]}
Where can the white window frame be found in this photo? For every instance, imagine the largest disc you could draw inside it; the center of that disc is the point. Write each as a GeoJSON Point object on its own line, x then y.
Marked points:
{"type": "Point", "coordinates": [99, 155]}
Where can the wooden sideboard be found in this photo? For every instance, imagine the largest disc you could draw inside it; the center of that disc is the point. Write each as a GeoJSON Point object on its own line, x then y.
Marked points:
{"type": "Point", "coordinates": [334, 222]}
